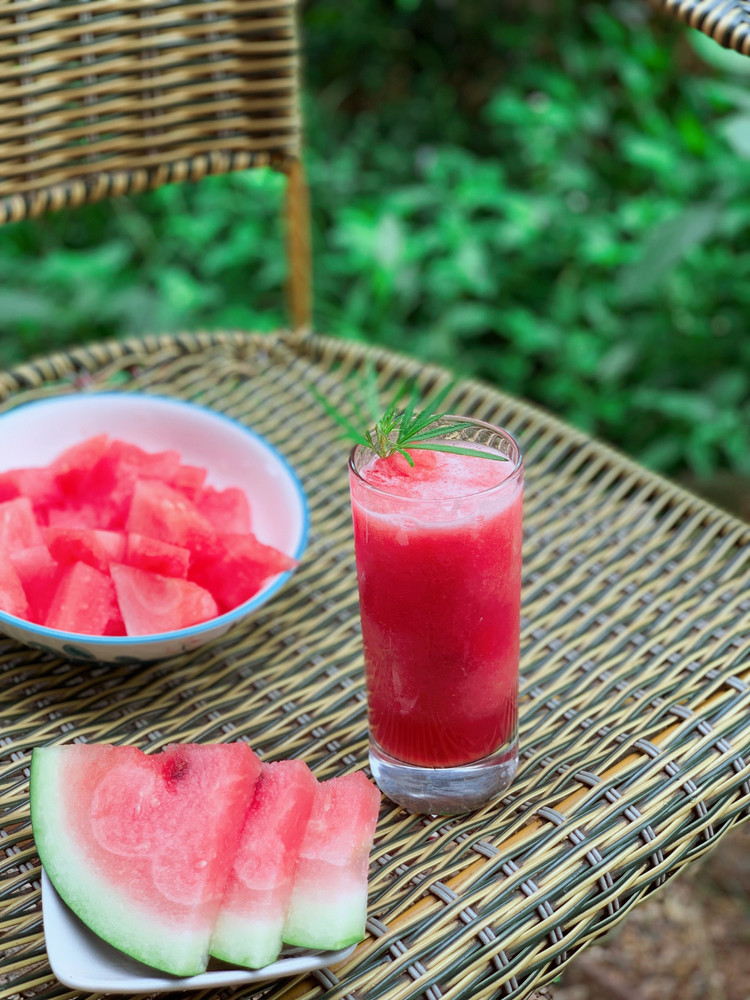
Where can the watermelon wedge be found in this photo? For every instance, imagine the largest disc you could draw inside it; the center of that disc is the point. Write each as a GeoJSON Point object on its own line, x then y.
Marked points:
{"type": "Point", "coordinates": [251, 920]}
{"type": "Point", "coordinates": [140, 845]}
{"type": "Point", "coordinates": [329, 900]}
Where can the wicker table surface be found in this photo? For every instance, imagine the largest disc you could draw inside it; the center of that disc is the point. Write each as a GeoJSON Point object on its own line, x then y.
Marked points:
{"type": "Point", "coordinates": [635, 724]}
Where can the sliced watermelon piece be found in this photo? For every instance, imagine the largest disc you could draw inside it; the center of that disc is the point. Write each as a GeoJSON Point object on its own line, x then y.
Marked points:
{"type": "Point", "coordinates": [12, 595]}
{"type": "Point", "coordinates": [155, 556]}
{"type": "Point", "coordinates": [90, 545]}
{"type": "Point", "coordinates": [235, 567]}
{"type": "Point", "coordinates": [85, 602]}
{"type": "Point", "coordinates": [161, 512]}
{"type": "Point", "coordinates": [228, 510]}
{"type": "Point", "coordinates": [328, 909]}
{"type": "Point", "coordinates": [251, 920]}
{"type": "Point", "coordinates": [124, 839]}
{"type": "Point", "coordinates": [18, 527]}
{"type": "Point", "coordinates": [151, 603]}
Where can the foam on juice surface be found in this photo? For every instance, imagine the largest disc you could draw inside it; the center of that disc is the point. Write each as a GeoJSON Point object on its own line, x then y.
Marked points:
{"type": "Point", "coordinates": [435, 475]}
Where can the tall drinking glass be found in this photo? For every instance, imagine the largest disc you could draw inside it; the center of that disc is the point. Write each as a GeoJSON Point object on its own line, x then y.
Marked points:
{"type": "Point", "coordinates": [438, 551]}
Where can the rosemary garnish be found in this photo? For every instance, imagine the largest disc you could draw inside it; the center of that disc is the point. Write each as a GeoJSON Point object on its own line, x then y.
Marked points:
{"type": "Point", "coordinates": [399, 428]}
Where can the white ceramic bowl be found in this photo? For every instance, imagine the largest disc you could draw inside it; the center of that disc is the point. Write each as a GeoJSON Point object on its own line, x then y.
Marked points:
{"type": "Point", "coordinates": [34, 434]}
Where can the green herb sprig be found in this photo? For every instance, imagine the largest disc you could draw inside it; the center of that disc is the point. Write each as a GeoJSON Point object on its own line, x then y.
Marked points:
{"type": "Point", "coordinates": [399, 428]}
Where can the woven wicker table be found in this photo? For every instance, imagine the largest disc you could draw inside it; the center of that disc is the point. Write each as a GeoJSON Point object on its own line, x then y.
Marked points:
{"type": "Point", "coordinates": [635, 700]}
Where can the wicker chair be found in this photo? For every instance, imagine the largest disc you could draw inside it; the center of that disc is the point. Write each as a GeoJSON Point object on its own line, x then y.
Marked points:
{"type": "Point", "coordinates": [102, 99]}
{"type": "Point", "coordinates": [726, 21]}
{"type": "Point", "coordinates": [635, 669]}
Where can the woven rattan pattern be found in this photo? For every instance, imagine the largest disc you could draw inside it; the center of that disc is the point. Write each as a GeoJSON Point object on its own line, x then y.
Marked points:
{"type": "Point", "coordinates": [635, 698]}
{"type": "Point", "coordinates": [100, 98]}
{"type": "Point", "coordinates": [726, 21]}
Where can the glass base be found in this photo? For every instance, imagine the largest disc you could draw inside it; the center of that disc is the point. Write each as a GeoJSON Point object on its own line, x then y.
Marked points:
{"type": "Point", "coordinates": [443, 791]}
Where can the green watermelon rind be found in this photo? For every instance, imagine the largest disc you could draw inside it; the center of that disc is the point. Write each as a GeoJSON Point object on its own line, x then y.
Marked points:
{"type": "Point", "coordinates": [241, 940]}
{"type": "Point", "coordinates": [326, 922]}
{"type": "Point", "coordinates": [127, 927]}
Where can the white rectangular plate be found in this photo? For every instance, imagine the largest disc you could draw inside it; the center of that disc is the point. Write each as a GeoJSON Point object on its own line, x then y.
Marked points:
{"type": "Point", "coordinates": [83, 961]}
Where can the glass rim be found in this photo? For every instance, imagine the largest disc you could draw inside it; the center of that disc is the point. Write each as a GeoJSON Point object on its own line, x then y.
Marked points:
{"type": "Point", "coordinates": [509, 480]}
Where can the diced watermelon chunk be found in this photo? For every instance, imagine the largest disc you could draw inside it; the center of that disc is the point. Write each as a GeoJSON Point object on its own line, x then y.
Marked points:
{"type": "Point", "coordinates": [235, 567]}
{"type": "Point", "coordinates": [329, 901]}
{"type": "Point", "coordinates": [251, 920]}
{"type": "Point", "coordinates": [140, 845]}
{"type": "Point", "coordinates": [12, 596]}
{"type": "Point", "coordinates": [93, 517]}
{"type": "Point", "coordinates": [90, 545]}
{"type": "Point", "coordinates": [74, 469]}
{"type": "Point", "coordinates": [161, 512]}
{"type": "Point", "coordinates": [228, 510]}
{"type": "Point", "coordinates": [130, 459]}
{"type": "Point", "coordinates": [38, 485]}
{"type": "Point", "coordinates": [151, 603]}
{"type": "Point", "coordinates": [189, 479]}
{"type": "Point", "coordinates": [85, 602]}
{"type": "Point", "coordinates": [125, 464]}
{"type": "Point", "coordinates": [155, 556]}
{"type": "Point", "coordinates": [28, 563]}
{"type": "Point", "coordinates": [40, 577]}
{"type": "Point", "coordinates": [18, 527]}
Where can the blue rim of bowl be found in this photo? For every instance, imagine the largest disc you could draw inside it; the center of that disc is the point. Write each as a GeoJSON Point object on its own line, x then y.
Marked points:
{"type": "Point", "coordinates": [229, 617]}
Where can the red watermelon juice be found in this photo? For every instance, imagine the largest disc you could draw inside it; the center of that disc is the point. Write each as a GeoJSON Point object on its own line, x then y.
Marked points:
{"type": "Point", "coordinates": [438, 551]}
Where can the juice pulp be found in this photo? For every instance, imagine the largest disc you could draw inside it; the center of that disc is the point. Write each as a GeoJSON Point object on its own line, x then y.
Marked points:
{"type": "Point", "coordinates": [438, 551]}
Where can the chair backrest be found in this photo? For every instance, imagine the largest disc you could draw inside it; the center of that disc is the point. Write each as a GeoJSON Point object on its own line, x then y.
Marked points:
{"type": "Point", "coordinates": [107, 97]}
{"type": "Point", "coordinates": [726, 21]}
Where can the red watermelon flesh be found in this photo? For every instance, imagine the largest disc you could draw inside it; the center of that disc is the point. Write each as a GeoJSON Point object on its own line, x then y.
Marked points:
{"type": "Point", "coordinates": [74, 468]}
{"type": "Point", "coordinates": [85, 602]}
{"type": "Point", "coordinates": [251, 920]}
{"type": "Point", "coordinates": [90, 545]}
{"type": "Point", "coordinates": [124, 464]}
{"type": "Point", "coordinates": [151, 603]}
{"type": "Point", "coordinates": [234, 568]}
{"type": "Point", "coordinates": [329, 900]}
{"type": "Point", "coordinates": [30, 562]}
{"type": "Point", "coordinates": [155, 556]}
{"type": "Point", "coordinates": [39, 575]}
{"type": "Point", "coordinates": [88, 516]}
{"type": "Point", "coordinates": [189, 479]}
{"type": "Point", "coordinates": [12, 595]}
{"type": "Point", "coordinates": [161, 512]}
{"type": "Point", "coordinates": [126, 840]}
{"type": "Point", "coordinates": [227, 510]}
{"type": "Point", "coordinates": [18, 526]}
{"type": "Point", "coordinates": [38, 484]}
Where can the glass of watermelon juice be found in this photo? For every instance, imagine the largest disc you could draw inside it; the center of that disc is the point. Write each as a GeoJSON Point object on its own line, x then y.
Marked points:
{"type": "Point", "coordinates": [438, 552]}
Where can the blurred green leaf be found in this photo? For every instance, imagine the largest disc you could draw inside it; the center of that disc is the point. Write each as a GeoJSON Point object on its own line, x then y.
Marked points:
{"type": "Point", "coordinates": [664, 247]}
{"type": "Point", "coordinates": [553, 200]}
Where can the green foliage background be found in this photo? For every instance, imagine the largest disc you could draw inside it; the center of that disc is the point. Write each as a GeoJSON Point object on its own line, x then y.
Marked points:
{"type": "Point", "coordinates": [554, 197]}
